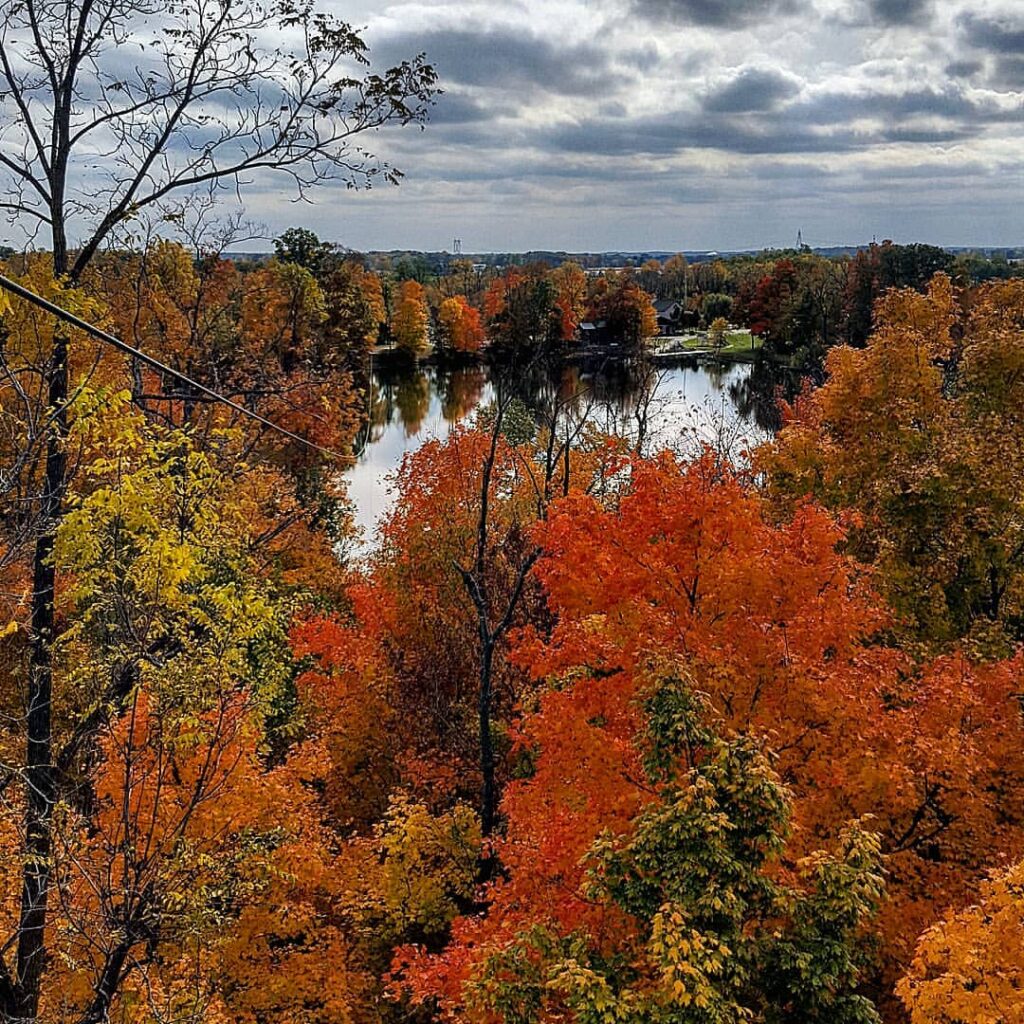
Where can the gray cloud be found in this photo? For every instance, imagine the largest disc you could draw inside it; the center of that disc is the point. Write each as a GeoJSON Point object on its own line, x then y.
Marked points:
{"type": "Point", "coordinates": [827, 123]}
{"type": "Point", "coordinates": [502, 58]}
{"type": "Point", "coordinates": [928, 136]}
{"type": "Point", "coordinates": [899, 12]}
{"type": "Point", "coordinates": [459, 108]}
{"type": "Point", "coordinates": [752, 89]}
{"type": "Point", "coordinates": [887, 14]}
{"type": "Point", "coordinates": [1009, 73]}
{"type": "Point", "coordinates": [1003, 38]}
{"type": "Point", "coordinates": [621, 123]}
{"type": "Point", "coordinates": [997, 35]}
{"type": "Point", "coordinates": [789, 170]}
{"type": "Point", "coordinates": [833, 107]}
{"type": "Point", "coordinates": [926, 171]}
{"type": "Point", "coordinates": [722, 14]}
{"type": "Point", "coordinates": [964, 68]}
{"type": "Point", "coordinates": [670, 134]}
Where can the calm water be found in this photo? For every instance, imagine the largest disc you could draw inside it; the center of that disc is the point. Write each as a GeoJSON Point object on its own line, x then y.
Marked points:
{"type": "Point", "coordinates": [730, 406]}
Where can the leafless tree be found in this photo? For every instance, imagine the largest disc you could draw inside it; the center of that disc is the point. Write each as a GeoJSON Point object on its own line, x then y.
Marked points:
{"type": "Point", "coordinates": [650, 404]}
{"type": "Point", "coordinates": [110, 107]}
{"type": "Point", "coordinates": [547, 468]}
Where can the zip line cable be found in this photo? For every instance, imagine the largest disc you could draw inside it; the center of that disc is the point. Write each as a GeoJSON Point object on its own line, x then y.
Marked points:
{"type": "Point", "coordinates": [83, 325]}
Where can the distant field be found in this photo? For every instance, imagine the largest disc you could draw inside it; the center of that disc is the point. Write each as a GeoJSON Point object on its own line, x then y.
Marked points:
{"type": "Point", "coordinates": [736, 343]}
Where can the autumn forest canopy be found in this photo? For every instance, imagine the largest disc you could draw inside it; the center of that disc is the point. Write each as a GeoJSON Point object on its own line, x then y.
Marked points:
{"type": "Point", "coordinates": [601, 727]}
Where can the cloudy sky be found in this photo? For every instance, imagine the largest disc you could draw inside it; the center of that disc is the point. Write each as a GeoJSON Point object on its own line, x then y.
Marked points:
{"type": "Point", "coordinates": [666, 124]}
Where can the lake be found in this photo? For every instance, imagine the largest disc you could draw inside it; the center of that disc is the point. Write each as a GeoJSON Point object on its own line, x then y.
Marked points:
{"type": "Point", "coordinates": [732, 406]}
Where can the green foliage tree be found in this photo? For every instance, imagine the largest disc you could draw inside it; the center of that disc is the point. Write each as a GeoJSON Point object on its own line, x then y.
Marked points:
{"type": "Point", "coordinates": [355, 312]}
{"type": "Point", "coordinates": [715, 305]}
{"type": "Point", "coordinates": [302, 246]}
{"type": "Point", "coordinates": [520, 311]}
{"type": "Point", "coordinates": [710, 932]}
{"type": "Point", "coordinates": [875, 270]}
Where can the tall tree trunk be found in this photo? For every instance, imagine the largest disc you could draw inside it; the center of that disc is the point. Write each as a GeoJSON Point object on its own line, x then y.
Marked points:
{"type": "Point", "coordinates": [488, 794]}
{"type": "Point", "coordinates": [39, 770]}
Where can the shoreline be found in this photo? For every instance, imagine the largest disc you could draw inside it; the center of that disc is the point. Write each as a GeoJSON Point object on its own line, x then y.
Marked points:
{"type": "Point", "coordinates": [608, 354]}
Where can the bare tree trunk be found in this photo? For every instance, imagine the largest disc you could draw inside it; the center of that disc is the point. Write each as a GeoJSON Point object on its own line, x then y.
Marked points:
{"type": "Point", "coordinates": [39, 770]}
{"type": "Point", "coordinates": [488, 790]}
{"type": "Point", "coordinates": [494, 623]}
{"type": "Point", "coordinates": [55, 87]}
{"type": "Point", "coordinates": [38, 774]}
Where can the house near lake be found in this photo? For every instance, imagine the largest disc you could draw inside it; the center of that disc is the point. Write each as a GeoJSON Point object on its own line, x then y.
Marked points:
{"type": "Point", "coordinates": [670, 315]}
{"type": "Point", "coordinates": [595, 333]}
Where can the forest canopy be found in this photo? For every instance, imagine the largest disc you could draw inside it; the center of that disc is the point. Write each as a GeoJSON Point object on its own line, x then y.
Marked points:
{"type": "Point", "coordinates": [598, 729]}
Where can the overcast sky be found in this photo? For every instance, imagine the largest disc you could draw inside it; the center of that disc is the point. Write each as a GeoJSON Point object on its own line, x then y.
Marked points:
{"type": "Point", "coordinates": [666, 124]}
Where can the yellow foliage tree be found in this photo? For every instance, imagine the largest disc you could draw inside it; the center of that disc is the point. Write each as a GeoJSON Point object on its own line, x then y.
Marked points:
{"type": "Point", "coordinates": [969, 968]}
{"type": "Point", "coordinates": [920, 434]}
{"type": "Point", "coordinates": [411, 318]}
{"type": "Point", "coordinates": [716, 333]}
{"type": "Point", "coordinates": [174, 844]}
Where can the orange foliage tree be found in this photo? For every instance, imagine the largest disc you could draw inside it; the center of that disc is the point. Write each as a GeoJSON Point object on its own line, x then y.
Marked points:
{"type": "Point", "coordinates": [177, 562]}
{"type": "Point", "coordinates": [570, 298]}
{"type": "Point", "coordinates": [172, 672]}
{"type": "Point", "coordinates": [258, 337]}
{"type": "Point", "coordinates": [684, 912]}
{"type": "Point", "coordinates": [413, 607]}
{"type": "Point", "coordinates": [449, 579]}
{"type": "Point", "coordinates": [674, 568]}
{"type": "Point", "coordinates": [625, 308]}
{"type": "Point", "coordinates": [460, 327]}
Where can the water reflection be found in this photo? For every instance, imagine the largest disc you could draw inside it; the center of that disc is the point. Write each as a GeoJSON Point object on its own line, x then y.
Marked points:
{"type": "Point", "coordinates": [682, 406]}
{"type": "Point", "coordinates": [461, 392]}
{"type": "Point", "coordinates": [757, 395]}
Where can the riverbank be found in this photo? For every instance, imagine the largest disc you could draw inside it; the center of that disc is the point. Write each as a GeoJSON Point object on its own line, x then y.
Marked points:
{"type": "Point", "coordinates": [739, 347]}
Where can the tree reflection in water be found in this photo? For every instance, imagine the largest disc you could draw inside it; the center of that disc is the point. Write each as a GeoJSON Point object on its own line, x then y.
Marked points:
{"type": "Point", "coordinates": [680, 406]}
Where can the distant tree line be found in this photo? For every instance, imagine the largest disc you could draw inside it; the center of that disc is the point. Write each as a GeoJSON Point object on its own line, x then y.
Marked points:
{"type": "Point", "coordinates": [799, 302]}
